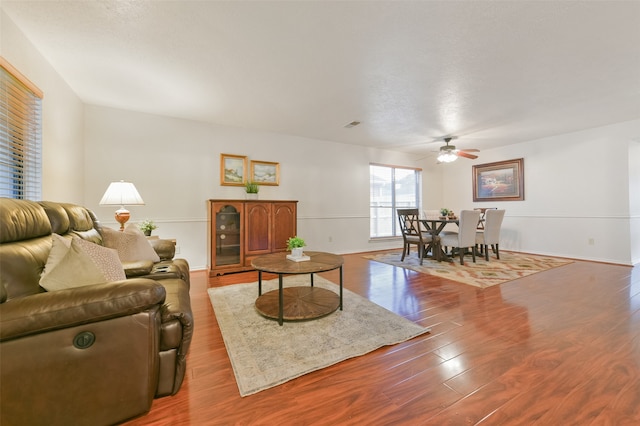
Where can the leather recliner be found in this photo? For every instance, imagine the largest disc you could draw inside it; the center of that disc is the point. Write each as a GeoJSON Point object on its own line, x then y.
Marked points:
{"type": "Point", "coordinates": [94, 355]}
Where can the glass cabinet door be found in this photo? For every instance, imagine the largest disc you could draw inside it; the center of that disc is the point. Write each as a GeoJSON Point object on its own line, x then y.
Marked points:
{"type": "Point", "coordinates": [227, 222]}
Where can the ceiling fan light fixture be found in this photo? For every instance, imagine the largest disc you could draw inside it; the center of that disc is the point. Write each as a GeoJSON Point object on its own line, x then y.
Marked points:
{"type": "Point", "coordinates": [447, 157]}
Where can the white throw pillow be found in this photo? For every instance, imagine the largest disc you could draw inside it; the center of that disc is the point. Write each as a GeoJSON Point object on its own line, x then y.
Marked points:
{"type": "Point", "coordinates": [131, 244]}
{"type": "Point", "coordinates": [83, 264]}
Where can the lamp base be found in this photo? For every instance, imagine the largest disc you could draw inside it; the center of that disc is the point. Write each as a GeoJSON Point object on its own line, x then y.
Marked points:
{"type": "Point", "coordinates": [122, 216]}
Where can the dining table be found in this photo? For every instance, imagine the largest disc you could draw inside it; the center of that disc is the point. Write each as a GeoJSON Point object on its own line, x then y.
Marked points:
{"type": "Point", "coordinates": [435, 225]}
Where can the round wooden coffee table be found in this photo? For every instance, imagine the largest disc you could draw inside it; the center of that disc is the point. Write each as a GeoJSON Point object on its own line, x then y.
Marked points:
{"type": "Point", "coordinates": [297, 303]}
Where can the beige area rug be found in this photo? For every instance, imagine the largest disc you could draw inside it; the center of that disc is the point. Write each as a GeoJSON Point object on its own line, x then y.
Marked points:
{"type": "Point", "coordinates": [264, 354]}
{"type": "Point", "coordinates": [482, 274]}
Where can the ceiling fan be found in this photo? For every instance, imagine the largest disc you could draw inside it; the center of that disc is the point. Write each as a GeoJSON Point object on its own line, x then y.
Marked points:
{"type": "Point", "coordinates": [449, 153]}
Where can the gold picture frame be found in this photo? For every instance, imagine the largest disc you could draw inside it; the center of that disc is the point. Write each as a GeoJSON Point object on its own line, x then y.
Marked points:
{"type": "Point", "coordinates": [233, 170]}
{"type": "Point", "coordinates": [265, 173]}
{"type": "Point", "coordinates": [500, 181]}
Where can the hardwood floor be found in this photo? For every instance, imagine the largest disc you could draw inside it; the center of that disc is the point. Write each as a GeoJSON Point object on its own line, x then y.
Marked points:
{"type": "Point", "coordinates": [561, 347]}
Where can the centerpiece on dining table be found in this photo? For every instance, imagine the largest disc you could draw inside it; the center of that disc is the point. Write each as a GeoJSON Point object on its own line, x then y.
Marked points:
{"type": "Point", "coordinates": [447, 214]}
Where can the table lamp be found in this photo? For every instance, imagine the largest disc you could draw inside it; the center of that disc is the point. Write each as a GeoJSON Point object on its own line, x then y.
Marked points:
{"type": "Point", "coordinates": [120, 194]}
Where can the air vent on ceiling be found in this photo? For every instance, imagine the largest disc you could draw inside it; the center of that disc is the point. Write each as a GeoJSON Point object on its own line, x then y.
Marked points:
{"type": "Point", "coordinates": [352, 124]}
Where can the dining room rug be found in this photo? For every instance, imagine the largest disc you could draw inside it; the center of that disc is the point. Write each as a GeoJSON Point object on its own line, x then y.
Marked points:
{"type": "Point", "coordinates": [510, 266]}
{"type": "Point", "coordinates": [264, 354]}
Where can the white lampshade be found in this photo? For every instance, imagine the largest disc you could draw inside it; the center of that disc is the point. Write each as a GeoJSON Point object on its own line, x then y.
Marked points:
{"type": "Point", "coordinates": [121, 194]}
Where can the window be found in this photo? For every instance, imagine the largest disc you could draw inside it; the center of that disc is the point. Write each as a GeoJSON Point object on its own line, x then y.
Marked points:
{"type": "Point", "coordinates": [391, 188]}
{"type": "Point", "coordinates": [20, 135]}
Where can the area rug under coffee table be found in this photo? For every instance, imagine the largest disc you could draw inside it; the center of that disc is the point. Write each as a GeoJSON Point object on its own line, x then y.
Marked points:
{"type": "Point", "coordinates": [264, 354]}
{"type": "Point", "coordinates": [482, 274]}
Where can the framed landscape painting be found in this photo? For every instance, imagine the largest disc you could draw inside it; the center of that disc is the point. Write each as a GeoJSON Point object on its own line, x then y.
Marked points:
{"type": "Point", "coordinates": [265, 173]}
{"type": "Point", "coordinates": [233, 169]}
{"type": "Point", "coordinates": [500, 181]}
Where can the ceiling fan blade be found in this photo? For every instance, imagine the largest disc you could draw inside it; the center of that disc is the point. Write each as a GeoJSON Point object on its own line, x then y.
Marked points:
{"type": "Point", "coordinates": [465, 155]}
{"type": "Point", "coordinates": [470, 150]}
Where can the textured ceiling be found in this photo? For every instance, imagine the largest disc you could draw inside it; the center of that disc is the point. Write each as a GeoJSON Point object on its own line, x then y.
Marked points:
{"type": "Point", "coordinates": [490, 72]}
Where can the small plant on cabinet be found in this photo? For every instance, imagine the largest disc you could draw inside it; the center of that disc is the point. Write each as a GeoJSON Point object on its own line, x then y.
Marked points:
{"type": "Point", "coordinates": [251, 187]}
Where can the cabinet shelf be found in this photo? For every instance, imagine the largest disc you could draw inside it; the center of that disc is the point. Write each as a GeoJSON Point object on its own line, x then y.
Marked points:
{"type": "Point", "coordinates": [240, 230]}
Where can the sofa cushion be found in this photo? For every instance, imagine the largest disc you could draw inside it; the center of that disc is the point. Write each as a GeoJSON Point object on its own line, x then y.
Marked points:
{"type": "Point", "coordinates": [131, 244]}
{"type": "Point", "coordinates": [82, 223]}
{"type": "Point", "coordinates": [22, 220]}
{"type": "Point", "coordinates": [57, 216]}
{"type": "Point", "coordinates": [84, 263]}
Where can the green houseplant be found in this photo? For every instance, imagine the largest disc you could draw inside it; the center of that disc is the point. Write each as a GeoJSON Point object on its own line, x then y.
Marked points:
{"type": "Point", "coordinates": [295, 244]}
{"type": "Point", "coordinates": [251, 188]}
{"type": "Point", "coordinates": [147, 226]}
{"type": "Point", "coordinates": [444, 211]}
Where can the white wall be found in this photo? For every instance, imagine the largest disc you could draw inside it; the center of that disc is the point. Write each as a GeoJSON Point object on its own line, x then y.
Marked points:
{"type": "Point", "coordinates": [578, 187]}
{"type": "Point", "coordinates": [175, 164]}
{"type": "Point", "coordinates": [62, 118]}
{"type": "Point", "coordinates": [634, 197]}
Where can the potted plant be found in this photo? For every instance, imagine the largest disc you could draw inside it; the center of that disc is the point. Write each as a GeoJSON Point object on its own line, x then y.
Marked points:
{"type": "Point", "coordinates": [295, 244]}
{"type": "Point", "coordinates": [251, 188]}
{"type": "Point", "coordinates": [444, 212]}
{"type": "Point", "coordinates": [147, 226]}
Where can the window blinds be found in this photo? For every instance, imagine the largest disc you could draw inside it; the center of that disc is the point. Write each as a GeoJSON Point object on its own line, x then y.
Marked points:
{"type": "Point", "coordinates": [20, 136]}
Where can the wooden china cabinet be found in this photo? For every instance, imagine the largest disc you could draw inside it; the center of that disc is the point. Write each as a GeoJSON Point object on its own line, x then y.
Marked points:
{"type": "Point", "coordinates": [240, 230]}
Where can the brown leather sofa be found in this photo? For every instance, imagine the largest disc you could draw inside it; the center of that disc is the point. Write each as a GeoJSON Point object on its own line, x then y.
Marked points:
{"type": "Point", "coordinates": [92, 355]}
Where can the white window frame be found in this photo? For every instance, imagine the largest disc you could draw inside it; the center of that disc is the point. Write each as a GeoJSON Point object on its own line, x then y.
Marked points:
{"type": "Point", "coordinates": [375, 220]}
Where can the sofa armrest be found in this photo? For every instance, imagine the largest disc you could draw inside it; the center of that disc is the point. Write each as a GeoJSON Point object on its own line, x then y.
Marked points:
{"type": "Point", "coordinates": [177, 304]}
{"type": "Point", "coordinates": [138, 268]}
{"type": "Point", "coordinates": [81, 305]}
{"type": "Point", "coordinates": [166, 249]}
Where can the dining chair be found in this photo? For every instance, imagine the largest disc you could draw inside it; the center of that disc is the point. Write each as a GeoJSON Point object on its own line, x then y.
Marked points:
{"type": "Point", "coordinates": [431, 214]}
{"type": "Point", "coordinates": [483, 211]}
{"type": "Point", "coordinates": [413, 234]}
{"type": "Point", "coordinates": [491, 233]}
{"type": "Point", "coordinates": [465, 238]}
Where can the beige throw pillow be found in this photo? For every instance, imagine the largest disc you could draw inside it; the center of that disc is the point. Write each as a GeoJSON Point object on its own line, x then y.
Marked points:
{"type": "Point", "coordinates": [59, 248]}
{"type": "Point", "coordinates": [83, 264]}
{"type": "Point", "coordinates": [131, 244]}
{"type": "Point", "coordinates": [105, 259]}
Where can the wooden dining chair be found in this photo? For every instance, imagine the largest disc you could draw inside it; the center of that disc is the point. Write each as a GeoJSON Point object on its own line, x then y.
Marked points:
{"type": "Point", "coordinates": [490, 236]}
{"type": "Point", "coordinates": [413, 234]}
{"type": "Point", "coordinates": [465, 238]}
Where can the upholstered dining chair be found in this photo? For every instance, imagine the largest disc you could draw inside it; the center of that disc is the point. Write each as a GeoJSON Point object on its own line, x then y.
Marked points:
{"type": "Point", "coordinates": [490, 236]}
{"type": "Point", "coordinates": [483, 211]}
{"type": "Point", "coordinates": [413, 234]}
{"type": "Point", "coordinates": [465, 238]}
